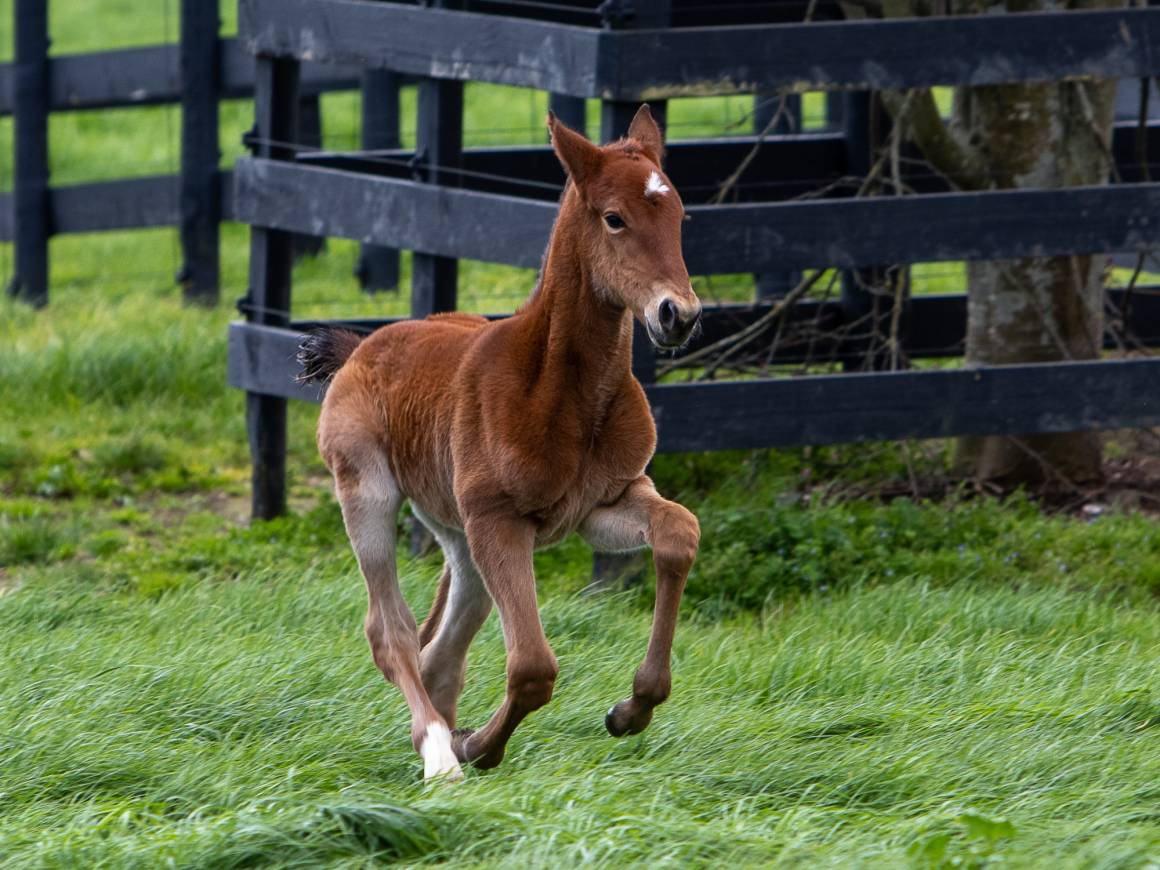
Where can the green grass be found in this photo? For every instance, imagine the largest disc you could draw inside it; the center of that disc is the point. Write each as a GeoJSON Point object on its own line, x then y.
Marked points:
{"type": "Point", "coordinates": [237, 720]}
{"type": "Point", "coordinates": [858, 682]}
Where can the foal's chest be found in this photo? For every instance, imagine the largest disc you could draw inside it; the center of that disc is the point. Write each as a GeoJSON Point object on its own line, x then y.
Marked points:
{"type": "Point", "coordinates": [593, 484]}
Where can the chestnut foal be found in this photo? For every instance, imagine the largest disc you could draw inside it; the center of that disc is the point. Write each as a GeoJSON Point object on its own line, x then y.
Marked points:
{"type": "Point", "coordinates": [509, 435]}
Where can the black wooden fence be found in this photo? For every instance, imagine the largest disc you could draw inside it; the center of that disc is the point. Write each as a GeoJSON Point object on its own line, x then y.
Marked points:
{"type": "Point", "coordinates": [443, 201]}
{"type": "Point", "coordinates": [198, 72]}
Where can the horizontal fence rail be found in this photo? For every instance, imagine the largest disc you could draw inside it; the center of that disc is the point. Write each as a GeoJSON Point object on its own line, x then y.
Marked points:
{"type": "Point", "coordinates": [824, 409]}
{"type": "Point", "coordinates": [124, 203]}
{"type": "Point", "coordinates": [151, 75]}
{"type": "Point", "coordinates": [627, 65]}
{"type": "Point", "coordinates": [727, 238]}
{"type": "Point", "coordinates": [935, 327]}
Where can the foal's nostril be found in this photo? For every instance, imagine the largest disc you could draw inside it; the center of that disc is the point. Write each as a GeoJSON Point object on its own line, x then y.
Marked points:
{"type": "Point", "coordinates": [668, 315]}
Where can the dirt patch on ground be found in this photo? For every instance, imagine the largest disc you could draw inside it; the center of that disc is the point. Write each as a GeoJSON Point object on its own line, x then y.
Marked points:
{"type": "Point", "coordinates": [234, 506]}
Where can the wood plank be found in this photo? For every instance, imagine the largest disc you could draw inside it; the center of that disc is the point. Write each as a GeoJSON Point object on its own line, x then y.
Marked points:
{"type": "Point", "coordinates": [5, 217]}
{"type": "Point", "coordinates": [262, 360]}
{"type": "Point", "coordinates": [199, 205]}
{"type": "Point", "coordinates": [874, 54]}
{"type": "Point", "coordinates": [438, 43]}
{"type": "Point", "coordinates": [396, 212]}
{"type": "Point", "coordinates": [378, 267]}
{"type": "Point", "coordinates": [851, 408]}
{"type": "Point", "coordinates": [129, 203]}
{"type": "Point", "coordinates": [929, 228]}
{"type": "Point", "coordinates": [267, 300]}
{"type": "Point", "coordinates": [150, 75]}
{"type": "Point", "coordinates": [238, 73]}
{"type": "Point", "coordinates": [31, 222]}
{"type": "Point", "coordinates": [826, 409]}
{"type": "Point", "coordinates": [125, 77]}
{"type": "Point", "coordinates": [718, 239]}
{"type": "Point", "coordinates": [439, 144]}
{"type": "Point", "coordinates": [629, 65]}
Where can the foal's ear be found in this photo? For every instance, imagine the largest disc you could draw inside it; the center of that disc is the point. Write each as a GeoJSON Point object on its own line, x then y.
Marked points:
{"type": "Point", "coordinates": [645, 131]}
{"type": "Point", "coordinates": [581, 159]}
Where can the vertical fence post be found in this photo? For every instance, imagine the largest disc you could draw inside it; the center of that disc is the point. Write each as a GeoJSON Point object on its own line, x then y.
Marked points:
{"type": "Point", "coordinates": [835, 109]}
{"type": "Point", "coordinates": [439, 149]}
{"type": "Point", "coordinates": [573, 111]}
{"type": "Point", "coordinates": [438, 153]}
{"type": "Point", "coordinates": [200, 198]}
{"type": "Point", "coordinates": [616, 115]}
{"type": "Point", "coordinates": [30, 194]}
{"type": "Point", "coordinates": [771, 285]}
{"type": "Point", "coordinates": [268, 300]}
{"type": "Point", "coordinates": [378, 266]}
{"type": "Point", "coordinates": [308, 133]}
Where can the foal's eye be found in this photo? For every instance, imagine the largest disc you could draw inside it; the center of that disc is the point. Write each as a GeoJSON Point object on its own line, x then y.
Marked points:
{"type": "Point", "coordinates": [614, 221]}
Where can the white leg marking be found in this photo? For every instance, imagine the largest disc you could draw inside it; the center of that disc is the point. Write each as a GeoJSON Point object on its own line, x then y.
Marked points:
{"type": "Point", "coordinates": [438, 759]}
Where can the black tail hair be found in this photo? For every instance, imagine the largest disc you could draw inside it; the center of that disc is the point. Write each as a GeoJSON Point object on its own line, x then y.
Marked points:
{"type": "Point", "coordinates": [323, 352]}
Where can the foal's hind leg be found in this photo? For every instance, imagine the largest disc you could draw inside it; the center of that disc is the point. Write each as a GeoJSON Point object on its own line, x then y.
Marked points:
{"type": "Point", "coordinates": [435, 614]}
{"type": "Point", "coordinates": [640, 517]}
{"type": "Point", "coordinates": [370, 502]}
{"type": "Point", "coordinates": [461, 608]}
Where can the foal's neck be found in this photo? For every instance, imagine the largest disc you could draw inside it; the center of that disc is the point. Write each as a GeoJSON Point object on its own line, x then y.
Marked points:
{"type": "Point", "coordinates": [585, 340]}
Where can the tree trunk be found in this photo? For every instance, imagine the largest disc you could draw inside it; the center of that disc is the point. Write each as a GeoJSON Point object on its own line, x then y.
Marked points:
{"type": "Point", "coordinates": [1041, 309]}
{"type": "Point", "coordinates": [1030, 135]}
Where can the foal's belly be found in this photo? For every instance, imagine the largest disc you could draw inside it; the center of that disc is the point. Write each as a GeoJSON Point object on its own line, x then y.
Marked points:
{"type": "Point", "coordinates": [553, 522]}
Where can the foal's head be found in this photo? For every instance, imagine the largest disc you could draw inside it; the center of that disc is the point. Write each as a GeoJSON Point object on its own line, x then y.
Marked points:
{"type": "Point", "coordinates": [628, 216]}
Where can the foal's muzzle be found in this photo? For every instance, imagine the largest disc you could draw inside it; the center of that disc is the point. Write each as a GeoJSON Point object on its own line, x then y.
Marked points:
{"type": "Point", "coordinates": [675, 322]}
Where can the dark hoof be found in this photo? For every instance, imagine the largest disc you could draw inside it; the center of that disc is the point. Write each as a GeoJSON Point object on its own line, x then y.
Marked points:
{"type": "Point", "coordinates": [460, 745]}
{"type": "Point", "coordinates": [610, 723]}
{"type": "Point", "coordinates": [626, 718]}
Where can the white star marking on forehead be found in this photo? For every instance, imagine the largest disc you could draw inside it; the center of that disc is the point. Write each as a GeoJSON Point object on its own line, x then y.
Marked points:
{"type": "Point", "coordinates": [654, 185]}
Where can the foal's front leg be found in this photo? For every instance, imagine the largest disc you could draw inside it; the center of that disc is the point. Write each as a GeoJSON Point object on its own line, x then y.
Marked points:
{"type": "Point", "coordinates": [501, 548]}
{"type": "Point", "coordinates": [642, 518]}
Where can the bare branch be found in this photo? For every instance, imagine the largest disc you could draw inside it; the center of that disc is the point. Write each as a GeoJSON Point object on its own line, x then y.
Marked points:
{"type": "Point", "coordinates": [962, 167]}
{"type": "Point", "coordinates": [1098, 134]}
{"type": "Point", "coordinates": [735, 176]}
{"type": "Point", "coordinates": [732, 342]}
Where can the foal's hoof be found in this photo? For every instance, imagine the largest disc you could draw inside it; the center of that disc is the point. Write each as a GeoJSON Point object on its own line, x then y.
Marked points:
{"type": "Point", "coordinates": [439, 761]}
{"type": "Point", "coordinates": [627, 717]}
{"type": "Point", "coordinates": [468, 754]}
{"type": "Point", "coordinates": [459, 743]}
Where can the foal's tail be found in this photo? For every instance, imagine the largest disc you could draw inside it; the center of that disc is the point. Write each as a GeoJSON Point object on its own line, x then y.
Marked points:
{"type": "Point", "coordinates": [323, 352]}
